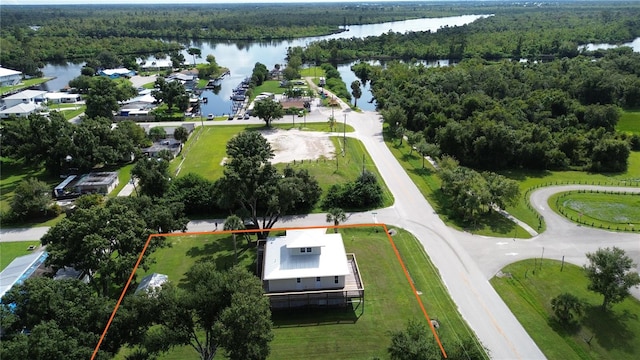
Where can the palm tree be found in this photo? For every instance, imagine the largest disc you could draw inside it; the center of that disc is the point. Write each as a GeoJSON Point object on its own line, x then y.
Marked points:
{"type": "Point", "coordinates": [336, 215]}
{"type": "Point", "coordinates": [565, 306]}
{"type": "Point", "coordinates": [233, 222]}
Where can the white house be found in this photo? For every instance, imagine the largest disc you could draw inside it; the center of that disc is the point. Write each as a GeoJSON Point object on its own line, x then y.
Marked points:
{"type": "Point", "coordinates": [62, 97]}
{"type": "Point", "coordinates": [151, 282]}
{"type": "Point", "coordinates": [117, 73]}
{"type": "Point", "coordinates": [25, 97]}
{"type": "Point", "coordinates": [305, 260]}
{"type": "Point", "coordinates": [156, 64]}
{"type": "Point", "coordinates": [20, 110]}
{"type": "Point", "coordinates": [9, 77]}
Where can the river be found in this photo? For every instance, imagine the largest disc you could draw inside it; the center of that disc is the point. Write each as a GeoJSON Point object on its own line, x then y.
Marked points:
{"type": "Point", "coordinates": [240, 57]}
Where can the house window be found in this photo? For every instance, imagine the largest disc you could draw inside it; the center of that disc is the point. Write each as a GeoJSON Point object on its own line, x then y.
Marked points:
{"type": "Point", "coordinates": [318, 279]}
{"type": "Point", "coordinates": [301, 250]}
{"type": "Point", "coordinates": [308, 250]}
{"type": "Point", "coordinates": [335, 279]}
{"type": "Point", "coordinates": [298, 280]}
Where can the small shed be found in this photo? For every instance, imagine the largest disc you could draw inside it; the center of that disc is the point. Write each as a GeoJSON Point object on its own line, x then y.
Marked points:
{"type": "Point", "coordinates": [151, 282]}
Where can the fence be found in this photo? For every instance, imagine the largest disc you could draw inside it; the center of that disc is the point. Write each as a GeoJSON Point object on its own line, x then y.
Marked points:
{"type": "Point", "coordinates": [619, 183]}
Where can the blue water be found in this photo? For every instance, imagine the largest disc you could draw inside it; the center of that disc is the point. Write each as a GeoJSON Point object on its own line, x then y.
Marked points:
{"type": "Point", "coordinates": [241, 57]}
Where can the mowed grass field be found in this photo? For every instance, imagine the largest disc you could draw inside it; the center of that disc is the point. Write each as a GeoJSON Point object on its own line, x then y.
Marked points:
{"type": "Point", "coordinates": [427, 180]}
{"type": "Point", "coordinates": [629, 122]}
{"type": "Point", "coordinates": [531, 179]}
{"type": "Point", "coordinates": [614, 334]}
{"type": "Point", "coordinates": [599, 209]}
{"type": "Point", "coordinates": [362, 333]}
{"type": "Point", "coordinates": [11, 250]}
{"type": "Point", "coordinates": [205, 152]}
{"type": "Point", "coordinates": [13, 173]}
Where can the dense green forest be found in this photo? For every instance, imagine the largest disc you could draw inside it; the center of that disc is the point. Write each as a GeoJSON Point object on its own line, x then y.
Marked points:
{"type": "Point", "coordinates": [536, 115]}
{"type": "Point", "coordinates": [513, 32]}
{"type": "Point", "coordinates": [33, 35]}
{"type": "Point", "coordinates": [30, 36]}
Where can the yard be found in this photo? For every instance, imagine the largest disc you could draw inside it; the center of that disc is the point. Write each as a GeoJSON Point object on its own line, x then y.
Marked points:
{"type": "Point", "coordinates": [12, 174]}
{"type": "Point", "coordinates": [613, 334]}
{"type": "Point", "coordinates": [389, 299]}
{"type": "Point", "coordinates": [427, 180]}
{"type": "Point", "coordinates": [629, 122]}
{"type": "Point", "coordinates": [24, 84]}
{"type": "Point", "coordinates": [205, 152]}
{"type": "Point", "coordinates": [12, 250]}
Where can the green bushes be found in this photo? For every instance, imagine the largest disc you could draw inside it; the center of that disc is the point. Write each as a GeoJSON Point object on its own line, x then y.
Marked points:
{"type": "Point", "coordinates": [365, 192]}
{"type": "Point", "coordinates": [334, 82]}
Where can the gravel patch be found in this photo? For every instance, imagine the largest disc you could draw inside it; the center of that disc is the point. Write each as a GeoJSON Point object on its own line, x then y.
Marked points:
{"type": "Point", "coordinates": [295, 145]}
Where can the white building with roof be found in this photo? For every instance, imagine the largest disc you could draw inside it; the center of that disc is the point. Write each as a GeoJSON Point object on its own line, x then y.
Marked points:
{"type": "Point", "coordinates": [305, 260]}
{"type": "Point", "coordinates": [20, 110]}
{"type": "Point", "coordinates": [20, 269]}
{"type": "Point", "coordinates": [117, 73]}
{"type": "Point", "coordinates": [62, 97]}
{"type": "Point", "coordinates": [9, 77]}
{"type": "Point", "coordinates": [151, 282]}
{"type": "Point", "coordinates": [25, 97]}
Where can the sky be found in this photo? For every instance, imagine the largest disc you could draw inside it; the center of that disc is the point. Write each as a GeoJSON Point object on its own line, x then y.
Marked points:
{"type": "Point", "coordinates": [72, 2]}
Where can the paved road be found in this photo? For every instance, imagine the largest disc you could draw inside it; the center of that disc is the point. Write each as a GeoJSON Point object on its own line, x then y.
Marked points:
{"type": "Point", "coordinates": [465, 261]}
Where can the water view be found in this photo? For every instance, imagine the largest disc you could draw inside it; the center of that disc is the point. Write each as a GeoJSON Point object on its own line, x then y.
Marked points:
{"type": "Point", "coordinates": [240, 58]}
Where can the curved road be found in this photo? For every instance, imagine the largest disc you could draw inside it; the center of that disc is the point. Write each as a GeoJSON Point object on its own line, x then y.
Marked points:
{"type": "Point", "coordinates": [466, 262]}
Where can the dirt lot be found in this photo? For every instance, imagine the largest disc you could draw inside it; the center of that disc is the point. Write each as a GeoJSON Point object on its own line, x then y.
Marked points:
{"type": "Point", "coordinates": [290, 145]}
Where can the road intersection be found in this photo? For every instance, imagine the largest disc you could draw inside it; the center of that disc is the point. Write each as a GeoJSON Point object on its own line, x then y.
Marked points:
{"type": "Point", "coordinates": [466, 262]}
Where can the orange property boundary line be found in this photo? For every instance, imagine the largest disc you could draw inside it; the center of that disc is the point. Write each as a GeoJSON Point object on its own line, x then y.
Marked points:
{"type": "Point", "coordinates": [146, 245]}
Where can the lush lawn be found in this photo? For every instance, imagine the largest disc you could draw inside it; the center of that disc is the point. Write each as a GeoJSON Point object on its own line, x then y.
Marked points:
{"type": "Point", "coordinates": [429, 184]}
{"type": "Point", "coordinates": [616, 333]}
{"type": "Point", "coordinates": [69, 112]}
{"type": "Point", "coordinates": [13, 173]}
{"type": "Point", "coordinates": [124, 175]}
{"type": "Point", "coordinates": [205, 150]}
{"type": "Point", "coordinates": [347, 168]}
{"type": "Point", "coordinates": [313, 71]}
{"type": "Point", "coordinates": [12, 250]}
{"type": "Point", "coordinates": [599, 209]}
{"type": "Point", "coordinates": [270, 86]}
{"type": "Point", "coordinates": [389, 299]}
{"type": "Point", "coordinates": [530, 180]}
{"type": "Point", "coordinates": [629, 122]}
{"type": "Point", "coordinates": [24, 84]}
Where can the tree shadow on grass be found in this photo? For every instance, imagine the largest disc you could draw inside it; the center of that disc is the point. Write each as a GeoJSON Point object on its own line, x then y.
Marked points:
{"type": "Point", "coordinates": [521, 175]}
{"type": "Point", "coordinates": [610, 327]}
{"type": "Point", "coordinates": [220, 251]}
{"type": "Point", "coordinates": [570, 328]}
{"type": "Point", "coordinates": [423, 171]}
{"type": "Point", "coordinates": [303, 317]}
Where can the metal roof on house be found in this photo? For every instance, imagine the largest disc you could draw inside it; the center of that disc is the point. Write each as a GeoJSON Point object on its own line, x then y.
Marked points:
{"type": "Point", "coordinates": [20, 269]}
{"type": "Point", "coordinates": [20, 109]}
{"type": "Point", "coordinates": [98, 178]}
{"type": "Point", "coordinates": [8, 72]}
{"type": "Point", "coordinates": [61, 95]}
{"type": "Point", "coordinates": [151, 281]}
{"type": "Point", "coordinates": [119, 71]}
{"type": "Point", "coordinates": [26, 94]}
{"type": "Point", "coordinates": [279, 263]}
